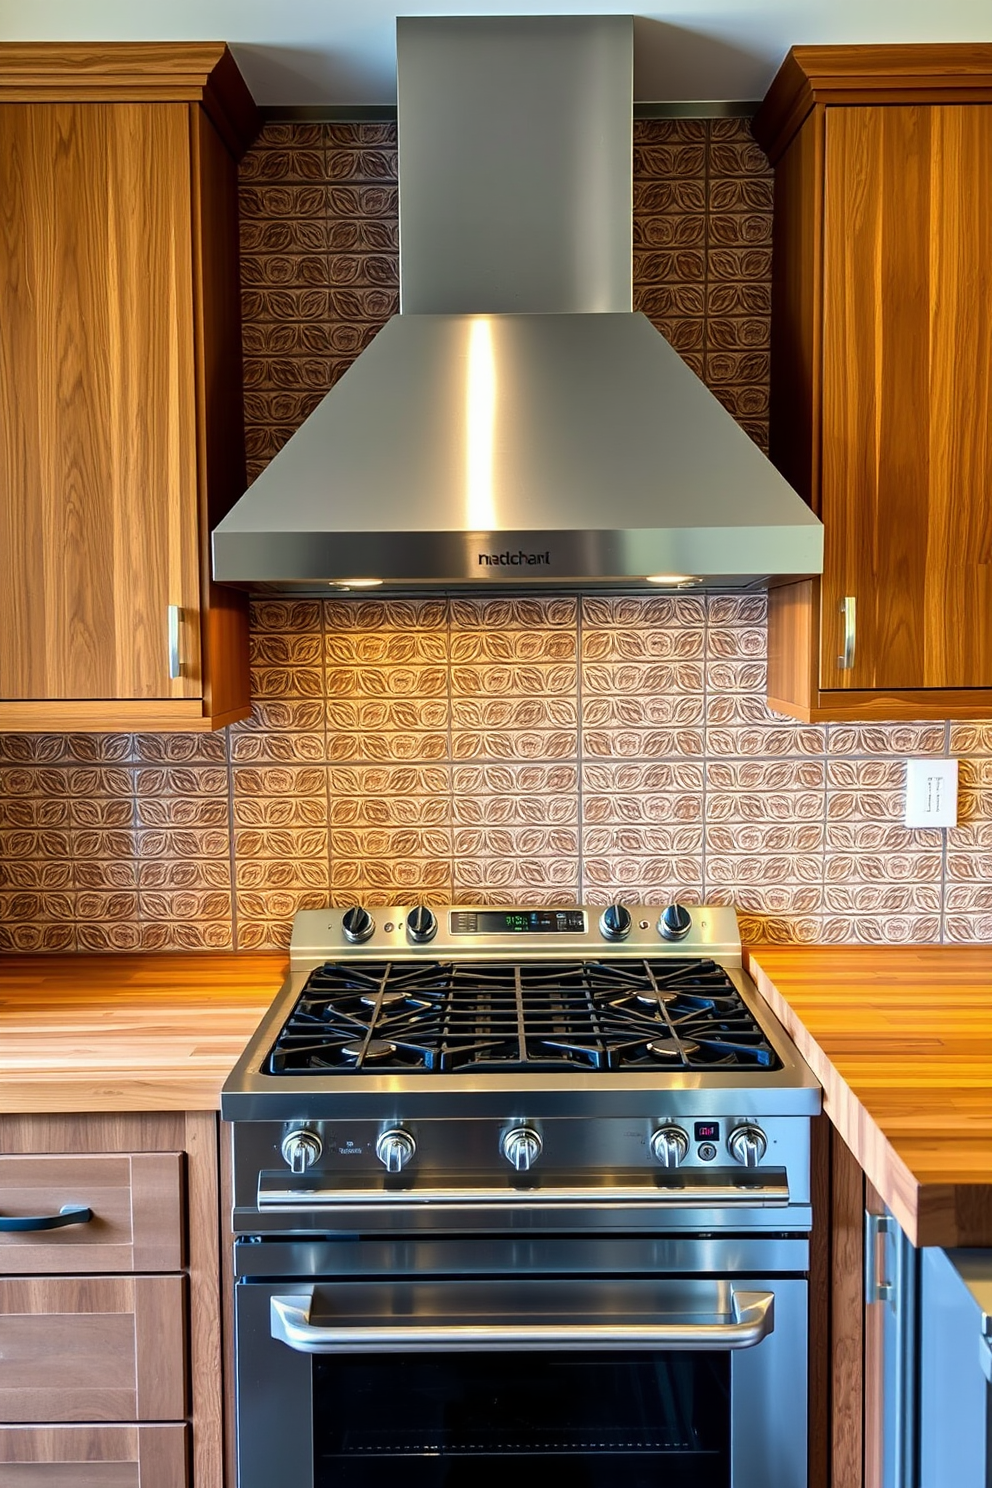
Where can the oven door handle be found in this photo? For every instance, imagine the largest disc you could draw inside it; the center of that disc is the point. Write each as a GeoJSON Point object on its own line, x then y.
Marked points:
{"type": "Point", "coordinates": [753, 1318]}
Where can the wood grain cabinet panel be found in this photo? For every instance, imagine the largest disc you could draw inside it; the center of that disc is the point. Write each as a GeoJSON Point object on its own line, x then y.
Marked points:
{"type": "Point", "coordinates": [94, 1456]}
{"type": "Point", "coordinates": [135, 1200]}
{"type": "Point", "coordinates": [882, 376]}
{"type": "Point", "coordinates": [112, 1378]}
{"type": "Point", "coordinates": [121, 423]}
{"type": "Point", "coordinates": [92, 1349]}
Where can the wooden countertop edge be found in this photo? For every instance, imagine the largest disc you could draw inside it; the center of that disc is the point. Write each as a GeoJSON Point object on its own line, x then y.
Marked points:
{"type": "Point", "coordinates": [54, 1094]}
{"type": "Point", "coordinates": [930, 1213]}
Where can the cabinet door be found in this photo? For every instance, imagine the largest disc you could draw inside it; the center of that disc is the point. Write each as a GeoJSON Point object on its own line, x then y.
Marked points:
{"type": "Point", "coordinates": [92, 1349]}
{"type": "Point", "coordinates": [907, 386]}
{"type": "Point", "coordinates": [890, 1351]}
{"type": "Point", "coordinates": [94, 1456]}
{"type": "Point", "coordinates": [98, 479]}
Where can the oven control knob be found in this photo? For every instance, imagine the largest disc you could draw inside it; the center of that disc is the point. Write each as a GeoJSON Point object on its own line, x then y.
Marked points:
{"type": "Point", "coordinates": [521, 1146]}
{"type": "Point", "coordinates": [669, 1145]}
{"type": "Point", "coordinates": [747, 1144]}
{"type": "Point", "coordinates": [394, 1149]}
{"type": "Point", "coordinates": [614, 922]}
{"type": "Point", "coordinates": [301, 1150]}
{"type": "Point", "coordinates": [421, 924]}
{"type": "Point", "coordinates": [357, 924]}
{"type": "Point", "coordinates": [675, 922]}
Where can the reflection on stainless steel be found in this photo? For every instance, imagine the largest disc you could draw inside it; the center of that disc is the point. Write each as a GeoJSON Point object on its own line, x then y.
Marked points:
{"type": "Point", "coordinates": [740, 1320]}
{"type": "Point", "coordinates": [551, 503]}
{"type": "Point", "coordinates": [343, 1200]}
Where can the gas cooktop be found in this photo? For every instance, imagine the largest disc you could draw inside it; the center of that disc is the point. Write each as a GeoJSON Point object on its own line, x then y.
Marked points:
{"type": "Point", "coordinates": [597, 1014]}
{"type": "Point", "coordinates": [485, 1009]}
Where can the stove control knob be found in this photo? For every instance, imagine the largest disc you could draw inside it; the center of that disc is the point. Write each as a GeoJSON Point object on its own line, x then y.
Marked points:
{"type": "Point", "coordinates": [675, 922]}
{"type": "Point", "coordinates": [521, 1146]}
{"type": "Point", "coordinates": [394, 1149]}
{"type": "Point", "coordinates": [747, 1144]}
{"type": "Point", "coordinates": [614, 922]}
{"type": "Point", "coordinates": [669, 1145]}
{"type": "Point", "coordinates": [421, 924]}
{"type": "Point", "coordinates": [301, 1150]}
{"type": "Point", "coordinates": [357, 924]}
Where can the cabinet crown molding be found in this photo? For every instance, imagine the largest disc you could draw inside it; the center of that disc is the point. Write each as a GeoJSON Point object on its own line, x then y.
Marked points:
{"type": "Point", "coordinates": [921, 72]}
{"type": "Point", "coordinates": [134, 72]}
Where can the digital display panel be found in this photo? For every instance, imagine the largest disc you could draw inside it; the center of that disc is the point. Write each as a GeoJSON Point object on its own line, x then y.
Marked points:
{"type": "Point", "coordinates": [517, 921]}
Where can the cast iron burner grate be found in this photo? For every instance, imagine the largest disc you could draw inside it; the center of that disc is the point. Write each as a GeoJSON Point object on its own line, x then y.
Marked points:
{"type": "Point", "coordinates": [381, 1016]}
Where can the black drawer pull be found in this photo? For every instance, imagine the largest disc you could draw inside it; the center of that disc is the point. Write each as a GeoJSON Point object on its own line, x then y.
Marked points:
{"type": "Point", "coordinates": [69, 1214]}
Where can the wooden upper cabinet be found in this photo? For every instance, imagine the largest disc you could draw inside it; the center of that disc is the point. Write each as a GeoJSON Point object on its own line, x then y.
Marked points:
{"type": "Point", "coordinates": [882, 377]}
{"type": "Point", "coordinates": [121, 422]}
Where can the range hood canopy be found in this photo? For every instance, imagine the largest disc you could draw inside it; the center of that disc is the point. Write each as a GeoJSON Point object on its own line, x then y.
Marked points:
{"type": "Point", "coordinates": [516, 424]}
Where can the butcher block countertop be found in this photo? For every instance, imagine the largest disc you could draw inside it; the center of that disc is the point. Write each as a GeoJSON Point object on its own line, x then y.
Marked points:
{"type": "Point", "coordinates": [127, 1032]}
{"type": "Point", "coordinates": [901, 1039]}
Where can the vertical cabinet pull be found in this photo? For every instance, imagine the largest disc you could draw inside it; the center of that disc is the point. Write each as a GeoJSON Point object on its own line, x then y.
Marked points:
{"type": "Point", "coordinates": [845, 660]}
{"type": "Point", "coordinates": [878, 1287]}
{"type": "Point", "coordinates": [177, 665]}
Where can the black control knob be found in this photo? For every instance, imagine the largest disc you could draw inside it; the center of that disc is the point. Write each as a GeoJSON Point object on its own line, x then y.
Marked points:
{"type": "Point", "coordinates": [614, 922]}
{"type": "Point", "coordinates": [675, 922]}
{"type": "Point", "coordinates": [421, 924]}
{"type": "Point", "coordinates": [357, 924]}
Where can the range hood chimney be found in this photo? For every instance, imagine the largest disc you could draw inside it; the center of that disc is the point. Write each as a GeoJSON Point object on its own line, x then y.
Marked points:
{"type": "Point", "coordinates": [516, 424]}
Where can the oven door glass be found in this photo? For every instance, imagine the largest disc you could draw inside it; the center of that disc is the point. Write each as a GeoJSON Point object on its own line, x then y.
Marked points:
{"type": "Point", "coordinates": [522, 1420]}
{"type": "Point", "coordinates": [447, 1382]}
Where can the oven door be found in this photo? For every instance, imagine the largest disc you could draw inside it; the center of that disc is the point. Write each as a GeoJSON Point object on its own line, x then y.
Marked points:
{"type": "Point", "coordinates": [410, 1382]}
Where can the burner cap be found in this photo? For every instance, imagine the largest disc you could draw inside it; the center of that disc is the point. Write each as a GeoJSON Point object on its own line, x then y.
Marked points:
{"type": "Point", "coordinates": [368, 1053]}
{"type": "Point", "coordinates": [382, 999]}
{"type": "Point", "coordinates": [662, 1049]}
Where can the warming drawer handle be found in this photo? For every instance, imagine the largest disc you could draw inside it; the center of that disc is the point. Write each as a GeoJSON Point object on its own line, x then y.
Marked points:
{"type": "Point", "coordinates": [753, 1320]}
{"type": "Point", "coordinates": [69, 1214]}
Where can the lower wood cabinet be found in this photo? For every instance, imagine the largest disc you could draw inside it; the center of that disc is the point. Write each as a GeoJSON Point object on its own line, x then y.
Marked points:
{"type": "Point", "coordinates": [94, 1456]}
{"type": "Point", "coordinates": [111, 1366]}
{"type": "Point", "coordinates": [100, 1348]}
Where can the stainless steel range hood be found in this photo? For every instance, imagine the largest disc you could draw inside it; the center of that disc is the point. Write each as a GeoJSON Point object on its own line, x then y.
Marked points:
{"type": "Point", "coordinates": [516, 424]}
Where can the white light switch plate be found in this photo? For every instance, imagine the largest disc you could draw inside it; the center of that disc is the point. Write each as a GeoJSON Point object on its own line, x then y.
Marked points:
{"type": "Point", "coordinates": [931, 793]}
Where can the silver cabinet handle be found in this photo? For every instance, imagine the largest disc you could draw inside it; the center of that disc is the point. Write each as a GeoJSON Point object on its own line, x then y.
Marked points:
{"type": "Point", "coordinates": [848, 609]}
{"type": "Point", "coordinates": [177, 665]}
{"type": "Point", "coordinates": [877, 1226]}
{"type": "Point", "coordinates": [289, 1317]}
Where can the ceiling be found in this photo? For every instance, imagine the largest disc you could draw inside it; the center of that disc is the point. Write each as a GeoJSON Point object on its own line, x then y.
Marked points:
{"type": "Point", "coordinates": [339, 52]}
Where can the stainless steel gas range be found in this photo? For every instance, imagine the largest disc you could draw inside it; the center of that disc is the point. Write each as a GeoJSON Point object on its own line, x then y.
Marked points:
{"type": "Point", "coordinates": [519, 1190]}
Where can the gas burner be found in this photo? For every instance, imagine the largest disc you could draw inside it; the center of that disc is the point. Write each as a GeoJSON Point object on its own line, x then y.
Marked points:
{"type": "Point", "coordinates": [382, 999]}
{"type": "Point", "coordinates": [370, 1052]}
{"type": "Point", "coordinates": [436, 1017]}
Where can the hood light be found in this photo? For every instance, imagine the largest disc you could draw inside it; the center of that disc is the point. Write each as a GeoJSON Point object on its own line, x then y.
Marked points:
{"type": "Point", "coordinates": [355, 583]}
{"type": "Point", "coordinates": [673, 581]}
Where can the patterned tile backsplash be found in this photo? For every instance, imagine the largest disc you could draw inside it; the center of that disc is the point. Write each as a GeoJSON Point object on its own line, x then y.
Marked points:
{"type": "Point", "coordinates": [538, 750]}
